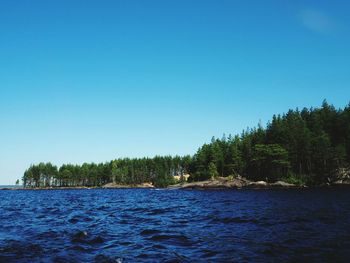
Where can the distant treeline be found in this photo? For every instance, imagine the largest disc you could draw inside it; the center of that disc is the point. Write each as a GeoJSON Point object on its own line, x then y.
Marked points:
{"type": "Point", "coordinates": [158, 170]}
{"type": "Point", "coordinates": [306, 147]}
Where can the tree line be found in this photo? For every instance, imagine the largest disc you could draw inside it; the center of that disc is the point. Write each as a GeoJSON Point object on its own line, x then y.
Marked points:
{"type": "Point", "coordinates": [302, 146]}
{"type": "Point", "coordinates": [159, 171]}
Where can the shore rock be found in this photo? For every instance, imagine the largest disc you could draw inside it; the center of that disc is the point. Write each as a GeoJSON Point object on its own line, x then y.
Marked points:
{"type": "Point", "coordinates": [225, 183]}
{"type": "Point", "coordinates": [282, 184]}
{"type": "Point", "coordinates": [258, 184]}
{"type": "Point", "coordinates": [340, 176]}
{"type": "Point", "coordinates": [342, 182]}
{"type": "Point", "coordinates": [114, 185]}
{"type": "Point", "coordinates": [220, 183]}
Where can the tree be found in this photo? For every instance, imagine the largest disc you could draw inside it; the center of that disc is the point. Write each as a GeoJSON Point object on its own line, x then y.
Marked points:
{"type": "Point", "coordinates": [310, 144]}
{"type": "Point", "coordinates": [270, 161]}
{"type": "Point", "coordinates": [213, 172]}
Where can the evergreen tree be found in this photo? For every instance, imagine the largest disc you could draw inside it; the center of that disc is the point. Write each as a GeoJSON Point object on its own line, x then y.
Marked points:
{"type": "Point", "coordinates": [309, 144]}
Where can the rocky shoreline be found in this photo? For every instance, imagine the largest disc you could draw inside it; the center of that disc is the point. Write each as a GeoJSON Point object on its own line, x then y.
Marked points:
{"type": "Point", "coordinates": [218, 183]}
{"type": "Point", "coordinates": [106, 186]}
{"type": "Point", "coordinates": [236, 183]}
{"type": "Point", "coordinates": [117, 186]}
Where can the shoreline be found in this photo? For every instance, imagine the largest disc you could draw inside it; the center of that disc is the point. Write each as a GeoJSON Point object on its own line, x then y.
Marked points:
{"type": "Point", "coordinates": [242, 183]}
{"type": "Point", "coordinates": [220, 183]}
{"type": "Point", "coordinates": [108, 186]}
{"type": "Point", "coordinates": [236, 183]}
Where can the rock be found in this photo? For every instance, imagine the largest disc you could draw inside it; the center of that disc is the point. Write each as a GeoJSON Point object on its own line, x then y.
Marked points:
{"type": "Point", "coordinates": [114, 185]}
{"type": "Point", "coordinates": [282, 184]}
{"type": "Point", "coordinates": [218, 183]}
{"type": "Point", "coordinates": [257, 184]}
{"type": "Point", "coordinates": [340, 176]}
{"type": "Point", "coordinates": [342, 182]}
{"type": "Point", "coordinates": [236, 183]}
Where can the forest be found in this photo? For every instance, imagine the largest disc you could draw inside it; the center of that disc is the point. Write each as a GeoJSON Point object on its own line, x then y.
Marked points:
{"type": "Point", "coordinates": [305, 146]}
{"type": "Point", "coordinates": [159, 171]}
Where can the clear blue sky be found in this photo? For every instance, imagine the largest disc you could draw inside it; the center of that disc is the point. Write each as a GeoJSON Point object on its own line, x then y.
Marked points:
{"type": "Point", "coordinates": [90, 81]}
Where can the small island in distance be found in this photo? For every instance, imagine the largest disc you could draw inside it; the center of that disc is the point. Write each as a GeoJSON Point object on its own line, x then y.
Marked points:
{"type": "Point", "coordinates": [308, 147]}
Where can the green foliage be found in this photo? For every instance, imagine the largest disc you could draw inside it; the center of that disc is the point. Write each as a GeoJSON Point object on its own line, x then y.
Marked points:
{"type": "Point", "coordinates": [232, 177]}
{"type": "Point", "coordinates": [297, 179]}
{"type": "Point", "coordinates": [158, 170]}
{"type": "Point", "coordinates": [163, 180]}
{"type": "Point", "coordinates": [269, 160]}
{"type": "Point", "coordinates": [302, 147]}
{"type": "Point", "coordinates": [213, 173]}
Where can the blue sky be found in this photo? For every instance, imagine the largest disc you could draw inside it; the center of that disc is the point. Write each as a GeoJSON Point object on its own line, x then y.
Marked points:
{"type": "Point", "coordinates": [90, 81]}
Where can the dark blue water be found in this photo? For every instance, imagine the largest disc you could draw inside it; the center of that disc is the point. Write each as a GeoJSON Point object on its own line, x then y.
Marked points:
{"type": "Point", "coordinates": [138, 225]}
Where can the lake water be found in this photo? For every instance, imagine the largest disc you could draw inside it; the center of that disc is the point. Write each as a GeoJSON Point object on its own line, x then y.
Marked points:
{"type": "Point", "coordinates": [144, 225]}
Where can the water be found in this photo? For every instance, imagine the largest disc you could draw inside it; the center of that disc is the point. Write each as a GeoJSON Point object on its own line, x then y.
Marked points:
{"type": "Point", "coordinates": [144, 225]}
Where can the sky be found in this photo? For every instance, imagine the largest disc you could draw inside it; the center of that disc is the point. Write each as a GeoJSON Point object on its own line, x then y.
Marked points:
{"type": "Point", "coordinates": [91, 81]}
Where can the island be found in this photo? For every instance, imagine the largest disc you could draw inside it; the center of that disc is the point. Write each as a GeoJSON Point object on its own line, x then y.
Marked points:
{"type": "Point", "coordinates": [308, 147]}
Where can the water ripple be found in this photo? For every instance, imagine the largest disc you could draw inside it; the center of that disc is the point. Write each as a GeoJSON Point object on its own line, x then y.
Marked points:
{"type": "Point", "coordinates": [143, 225]}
